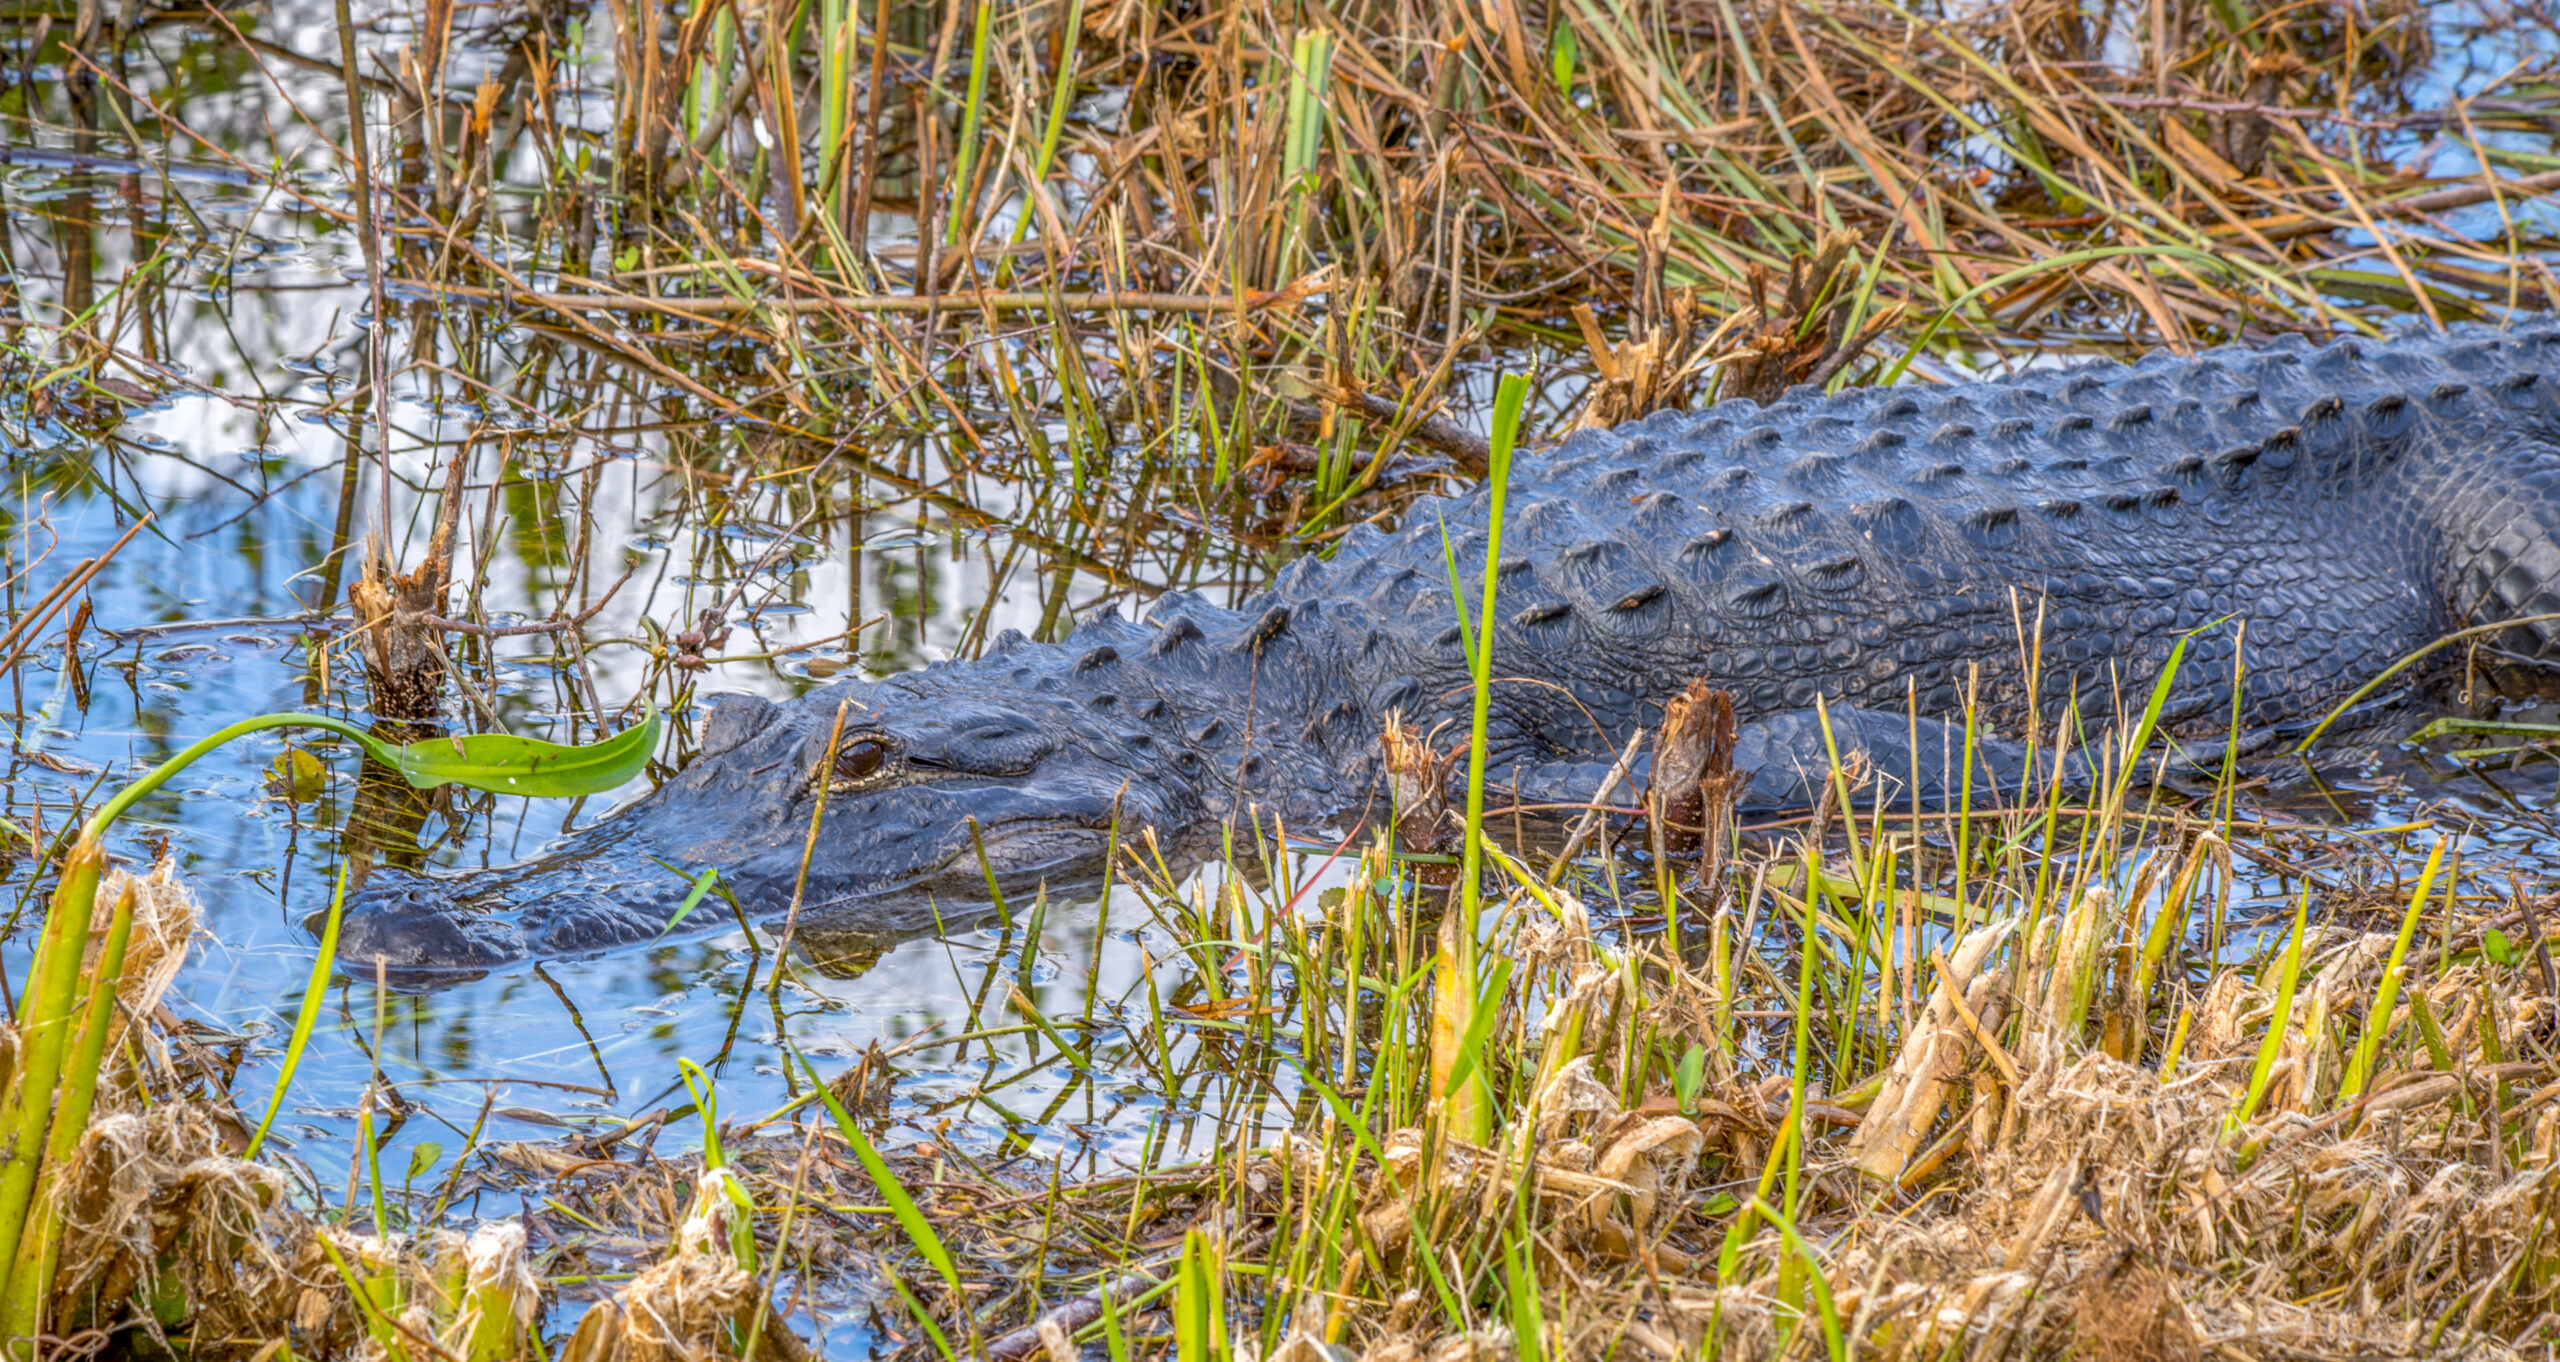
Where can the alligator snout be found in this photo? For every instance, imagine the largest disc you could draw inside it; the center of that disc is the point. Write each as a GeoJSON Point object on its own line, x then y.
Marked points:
{"type": "Point", "coordinates": [902, 844]}
{"type": "Point", "coordinates": [594, 894]}
{"type": "Point", "coordinates": [406, 922]}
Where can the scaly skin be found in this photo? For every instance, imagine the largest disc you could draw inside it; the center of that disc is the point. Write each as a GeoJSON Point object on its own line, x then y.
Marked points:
{"type": "Point", "coordinates": [2346, 504]}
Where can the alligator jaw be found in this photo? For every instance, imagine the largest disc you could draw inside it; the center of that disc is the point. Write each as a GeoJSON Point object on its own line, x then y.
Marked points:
{"type": "Point", "coordinates": [615, 885]}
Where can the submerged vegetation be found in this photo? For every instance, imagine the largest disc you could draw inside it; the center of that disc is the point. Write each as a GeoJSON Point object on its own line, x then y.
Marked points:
{"type": "Point", "coordinates": [1122, 297]}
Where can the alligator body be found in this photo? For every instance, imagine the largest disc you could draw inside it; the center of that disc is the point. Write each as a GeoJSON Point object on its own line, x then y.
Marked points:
{"type": "Point", "coordinates": [2336, 507]}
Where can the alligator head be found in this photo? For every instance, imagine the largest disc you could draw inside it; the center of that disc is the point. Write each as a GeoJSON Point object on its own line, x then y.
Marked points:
{"type": "Point", "coordinates": [929, 769]}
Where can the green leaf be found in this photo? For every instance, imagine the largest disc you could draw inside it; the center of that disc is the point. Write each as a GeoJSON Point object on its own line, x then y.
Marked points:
{"type": "Point", "coordinates": [1563, 53]}
{"type": "Point", "coordinates": [298, 776]}
{"type": "Point", "coordinates": [1691, 1076]}
{"type": "Point", "coordinates": [424, 1157]}
{"type": "Point", "coordinates": [2495, 945]}
{"type": "Point", "coordinates": [507, 764]}
{"type": "Point", "coordinates": [484, 761]}
{"type": "Point", "coordinates": [693, 898]}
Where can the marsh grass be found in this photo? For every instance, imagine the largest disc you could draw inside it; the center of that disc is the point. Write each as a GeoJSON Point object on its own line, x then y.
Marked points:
{"type": "Point", "coordinates": [1279, 240]}
{"type": "Point", "coordinates": [2027, 1076]}
{"type": "Point", "coordinates": [2011, 1079]}
{"type": "Point", "coordinates": [1867, 1108]}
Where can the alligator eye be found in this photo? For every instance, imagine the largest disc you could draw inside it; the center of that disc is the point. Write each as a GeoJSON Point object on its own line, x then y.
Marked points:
{"type": "Point", "coordinates": [861, 759]}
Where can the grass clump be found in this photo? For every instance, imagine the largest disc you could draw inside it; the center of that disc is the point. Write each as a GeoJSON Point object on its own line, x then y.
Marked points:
{"type": "Point", "coordinates": [2042, 1078]}
{"type": "Point", "coordinates": [119, 1208]}
{"type": "Point", "coordinates": [2024, 1120]}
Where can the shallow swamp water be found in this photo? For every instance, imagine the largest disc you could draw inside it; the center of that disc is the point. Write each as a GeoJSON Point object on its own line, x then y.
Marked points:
{"type": "Point", "coordinates": [244, 434]}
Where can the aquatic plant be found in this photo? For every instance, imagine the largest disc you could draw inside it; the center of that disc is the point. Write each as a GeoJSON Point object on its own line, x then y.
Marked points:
{"type": "Point", "coordinates": [61, 1031]}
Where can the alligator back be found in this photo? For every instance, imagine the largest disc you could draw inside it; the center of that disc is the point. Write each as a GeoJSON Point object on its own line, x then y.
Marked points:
{"type": "Point", "coordinates": [2020, 543]}
{"type": "Point", "coordinates": [2049, 536]}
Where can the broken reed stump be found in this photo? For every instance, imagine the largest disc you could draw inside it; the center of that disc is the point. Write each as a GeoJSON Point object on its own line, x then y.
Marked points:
{"type": "Point", "coordinates": [1926, 1073]}
{"type": "Point", "coordinates": [1418, 790]}
{"type": "Point", "coordinates": [1654, 369]}
{"type": "Point", "coordinates": [1690, 797]}
{"type": "Point", "coordinates": [1802, 335]}
{"type": "Point", "coordinates": [404, 660]}
{"type": "Point", "coordinates": [1662, 359]}
{"type": "Point", "coordinates": [397, 613]}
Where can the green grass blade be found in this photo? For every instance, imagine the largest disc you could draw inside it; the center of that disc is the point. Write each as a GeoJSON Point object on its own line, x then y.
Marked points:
{"type": "Point", "coordinates": [2378, 1021]}
{"type": "Point", "coordinates": [920, 1231]}
{"type": "Point", "coordinates": [39, 1252]}
{"type": "Point", "coordinates": [1834, 1342]}
{"type": "Point", "coordinates": [693, 898]}
{"type": "Point", "coordinates": [44, 1023]}
{"type": "Point", "coordinates": [2288, 976]}
{"type": "Point", "coordinates": [972, 121]}
{"type": "Point", "coordinates": [307, 1017]}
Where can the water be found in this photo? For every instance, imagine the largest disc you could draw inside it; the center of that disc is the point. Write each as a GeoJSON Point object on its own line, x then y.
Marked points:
{"type": "Point", "coordinates": [252, 334]}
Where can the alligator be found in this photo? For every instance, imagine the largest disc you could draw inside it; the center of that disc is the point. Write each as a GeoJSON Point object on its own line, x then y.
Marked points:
{"type": "Point", "coordinates": [2014, 545]}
